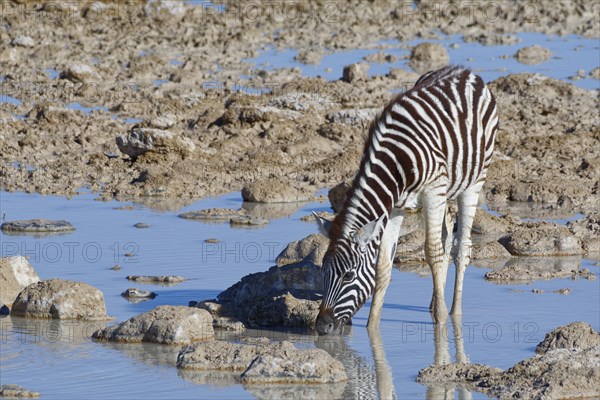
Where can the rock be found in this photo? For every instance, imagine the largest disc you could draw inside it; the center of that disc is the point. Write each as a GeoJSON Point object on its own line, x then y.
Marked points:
{"type": "Point", "coordinates": [270, 210]}
{"type": "Point", "coordinates": [542, 239]}
{"type": "Point", "coordinates": [263, 362]}
{"type": "Point", "coordinates": [16, 391]}
{"type": "Point", "coordinates": [456, 372]}
{"type": "Point", "coordinates": [213, 214]}
{"type": "Point", "coordinates": [223, 316]}
{"type": "Point", "coordinates": [427, 57]}
{"type": "Point", "coordinates": [143, 140]}
{"type": "Point", "coordinates": [23, 41]}
{"type": "Point", "coordinates": [353, 116]}
{"type": "Point", "coordinates": [588, 230]}
{"type": "Point", "coordinates": [272, 191]}
{"type": "Point", "coordinates": [60, 299]}
{"type": "Point", "coordinates": [488, 250]}
{"type": "Point", "coordinates": [486, 223]}
{"type": "Point", "coordinates": [309, 56]}
{"type": "Point", "coordinates": [290, 365]}
{"type": "Point", "coordinates": [165, 121]}
{"type": "Point", "coordinates": [164, 9]}
{"type": "Point", "coordinates": [222, 356]}
{"type": "Point", "coordinates": [337, 195]}
{"type": "Point", "coordinates": [164, 325]}
{"type": "Point", "coordinates": [411, 248]}
{"type": "Point", "coordinates": [563, 291]}
{"type": "Point", "coordinates": [533, 55]}
{"type": "Point", "coordinates": [559, 371]}
{"type": "Point", "coordinates": [79, 72]}
{"type": "Point", "coordinates": [406, 78]}
{"type": "Point", "coordinates": [595, 73]}
{"type": "Point", "coordinates": [15, 274]}
{"type": "Point", "coordinates": [134, 293]}
{"type": "Point", "coordinates": [282, 296]}
{"type": "Point", "coordinates": [141, 225]}
{"type": "Point", "coordinates": [312, 249]}
{"type": "Point", "coordinates": [530, 269]}
{"type": "Point", "coordinates": [355, 72]}
{"type": "Point", "coordinates": [37, 225]}
{"type": "Point", "coordinates": [301, 101]}
{"type": "Point", "coordinates": [576, 335]}
{"type": "Point", "coordinates": [247, 220]}
{"type": "Point", "coordinates": [156, 279]}
{"type": "Point", "coordinates": [310, 218]}
{"type": "Point", "coordinates": [380, 58]}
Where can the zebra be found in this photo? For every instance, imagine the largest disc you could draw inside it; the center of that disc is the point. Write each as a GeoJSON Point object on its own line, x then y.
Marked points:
{"type": "Point", "coordinates": [430, 144]}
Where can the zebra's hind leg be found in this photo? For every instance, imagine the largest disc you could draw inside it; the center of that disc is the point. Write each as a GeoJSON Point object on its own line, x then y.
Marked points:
{"type": "Point", "coordinates": [467, 206]}
{"type": "Point", "coordinates": [383, 272]}
{"type": "Point", "coordinates": [434, 208]}
{"type": "Point", "coordinates": [447, 229]}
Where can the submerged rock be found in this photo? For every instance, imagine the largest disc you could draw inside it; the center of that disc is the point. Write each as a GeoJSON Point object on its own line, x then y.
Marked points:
{"type": "Point", "coordinates": [134, 293]}
{"type": "Point", "coordinates": [16, 391]}
{"type": "Point", "coordinates": [156, 279]}
{"type": "Point", "coordinates": [164, 325]}
{"type": "Point", "coordinates": [249, 221]}
{"type": "Point", "coordinates": [37, 225]}
{"type": "Point", "coordinates": [213, 214]}
{"type": "Point", "coordinates": [60, 299]}
{"type": "Point", "coordinates": [15, 274]}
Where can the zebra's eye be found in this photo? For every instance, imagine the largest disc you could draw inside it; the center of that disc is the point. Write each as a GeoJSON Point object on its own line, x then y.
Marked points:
{"type": "Point", "coordinates": [349, 276]}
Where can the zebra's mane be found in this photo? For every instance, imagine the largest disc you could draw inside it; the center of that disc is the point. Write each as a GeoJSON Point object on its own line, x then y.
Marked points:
{"type": "Point", "coordinates": [337, 227]}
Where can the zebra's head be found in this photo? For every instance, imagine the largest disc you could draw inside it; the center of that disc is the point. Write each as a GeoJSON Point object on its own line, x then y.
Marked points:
{"type": "Point", "coordinates": [349, 273]}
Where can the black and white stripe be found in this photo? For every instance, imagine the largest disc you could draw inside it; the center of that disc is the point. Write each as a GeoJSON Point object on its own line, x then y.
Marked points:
{"type": "Point", "coordinates": [441, 130]}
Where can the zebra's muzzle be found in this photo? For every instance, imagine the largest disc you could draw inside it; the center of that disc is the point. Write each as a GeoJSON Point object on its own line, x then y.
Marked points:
{"type": "Point", "coordinates": [326, 323]}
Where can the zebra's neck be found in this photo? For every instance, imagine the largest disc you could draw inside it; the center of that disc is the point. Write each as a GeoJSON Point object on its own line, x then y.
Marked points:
{"type": "Point", "coordinates": [376, 187]}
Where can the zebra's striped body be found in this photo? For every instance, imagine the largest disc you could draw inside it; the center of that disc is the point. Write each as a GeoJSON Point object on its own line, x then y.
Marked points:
{"type": "Point", "coordinates": [430, 144]}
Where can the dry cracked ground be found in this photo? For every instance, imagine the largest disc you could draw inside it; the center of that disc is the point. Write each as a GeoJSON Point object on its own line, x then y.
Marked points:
{"type": "Point", "coordinates": [136, 99]}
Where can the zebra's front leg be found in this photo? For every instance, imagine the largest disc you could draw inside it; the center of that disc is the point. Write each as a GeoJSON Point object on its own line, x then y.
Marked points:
{"type": "Point", "coordinates": [434, 208]}
{"type": "Point", "coordinates": [383, 273]}
{"type": "Point", "coordinates": [467, 206]}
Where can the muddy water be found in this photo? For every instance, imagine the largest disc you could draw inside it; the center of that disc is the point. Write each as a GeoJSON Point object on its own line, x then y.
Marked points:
{"type": "Point", "coordinates": [500, 326]}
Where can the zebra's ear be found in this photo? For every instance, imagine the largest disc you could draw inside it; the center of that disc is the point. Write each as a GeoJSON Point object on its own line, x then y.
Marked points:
{"type": "Point", "coordinates": [368, 232]}
{"type": "Point", "coordinates": [324, 224]}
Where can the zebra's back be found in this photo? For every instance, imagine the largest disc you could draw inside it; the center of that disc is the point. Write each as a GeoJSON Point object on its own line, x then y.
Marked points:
{"type": "Point", "coordinates": [444, 126]}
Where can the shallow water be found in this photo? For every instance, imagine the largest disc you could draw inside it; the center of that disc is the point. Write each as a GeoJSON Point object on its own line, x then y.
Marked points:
{"type": "Point", "coordinates": [501, 323]}
{"type": "Point", "coordinates": [569, 54]}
